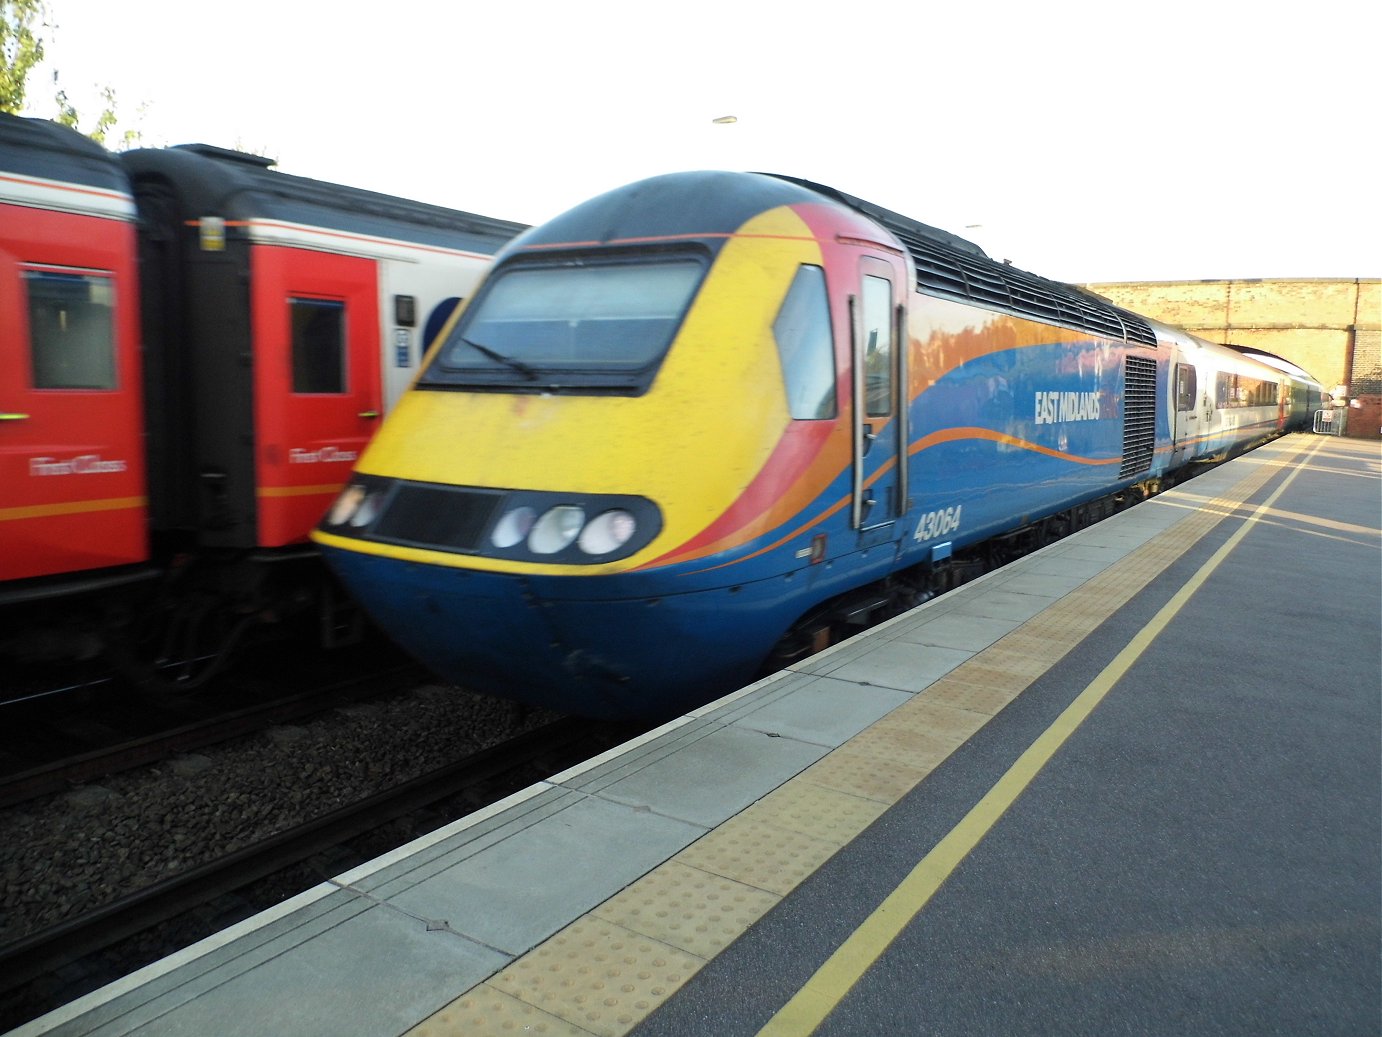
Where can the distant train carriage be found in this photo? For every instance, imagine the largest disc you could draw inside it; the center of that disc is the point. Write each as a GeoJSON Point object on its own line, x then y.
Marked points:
{"type": "Point", "coordinates": [193, 351]}
{"type": "Point", "coordinates": [1224, 397]}
{"type": "Point", "coordinates": [714, 420]}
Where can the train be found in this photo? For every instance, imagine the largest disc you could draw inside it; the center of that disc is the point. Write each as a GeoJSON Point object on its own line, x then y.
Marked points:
{"type": "Point", "coordinates": [195, 348]}
{"type": "Point", "coordinates": [708, 423]}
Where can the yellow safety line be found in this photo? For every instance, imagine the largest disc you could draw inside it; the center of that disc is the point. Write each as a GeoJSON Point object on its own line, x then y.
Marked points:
{"type": "Point", "coordinates": [842, 970]}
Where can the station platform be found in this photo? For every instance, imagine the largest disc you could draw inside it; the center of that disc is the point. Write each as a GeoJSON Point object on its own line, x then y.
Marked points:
{"type": "Point", "coordinates": [1131, 783]}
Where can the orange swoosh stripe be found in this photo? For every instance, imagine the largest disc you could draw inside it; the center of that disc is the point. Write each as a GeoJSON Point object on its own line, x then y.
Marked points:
{"type": "Point", "coordinates": [950, 435]}
{"type": "Point", "coordinates": [934, 439]}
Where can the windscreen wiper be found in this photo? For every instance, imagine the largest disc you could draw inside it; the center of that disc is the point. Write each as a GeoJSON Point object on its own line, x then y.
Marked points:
{"type": "Point", "coordinates": [526, 370]}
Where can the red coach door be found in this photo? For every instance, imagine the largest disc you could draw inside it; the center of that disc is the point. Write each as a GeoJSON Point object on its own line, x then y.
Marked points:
{"type": "Point", "coordinates": [72, 493]}
{"type": "Point", "coordinates": [317, 391]}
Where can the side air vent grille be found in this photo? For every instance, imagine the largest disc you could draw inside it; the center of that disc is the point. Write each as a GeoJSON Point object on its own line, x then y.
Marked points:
{"type": "Point", "coordinates": [1139, 415]}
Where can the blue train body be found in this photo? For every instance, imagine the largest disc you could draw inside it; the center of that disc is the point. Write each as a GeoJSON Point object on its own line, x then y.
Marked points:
{"type": "Point", "coordinates": [732, 416]}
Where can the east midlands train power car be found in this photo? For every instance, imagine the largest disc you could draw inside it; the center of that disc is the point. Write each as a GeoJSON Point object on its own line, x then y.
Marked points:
{"type": "Point", "coordinates": [194, 349]}
{"type": "Point", "coordinates": [710, 420]}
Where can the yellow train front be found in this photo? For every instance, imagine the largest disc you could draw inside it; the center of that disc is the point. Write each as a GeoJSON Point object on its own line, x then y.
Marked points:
{"type": "Point", "coordinates": [592, 499]}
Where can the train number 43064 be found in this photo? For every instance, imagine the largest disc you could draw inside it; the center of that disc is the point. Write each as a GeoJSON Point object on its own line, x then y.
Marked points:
{"type": "Point", "coordinates": [938, 523]}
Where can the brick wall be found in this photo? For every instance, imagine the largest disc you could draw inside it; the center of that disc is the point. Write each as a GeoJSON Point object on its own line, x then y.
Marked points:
{"type": "Point", "coordinates": [1330, 328]}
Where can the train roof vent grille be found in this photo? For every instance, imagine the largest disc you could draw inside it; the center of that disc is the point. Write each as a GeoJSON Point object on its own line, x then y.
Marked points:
{"type": "Point", "coordinates": [986, 283]}
{"type": "Point", "coordinates": [950, 265]}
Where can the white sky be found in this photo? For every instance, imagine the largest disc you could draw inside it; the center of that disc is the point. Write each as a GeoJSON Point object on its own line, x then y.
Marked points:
{"type": "Point", "coordinates": [1088, 140]}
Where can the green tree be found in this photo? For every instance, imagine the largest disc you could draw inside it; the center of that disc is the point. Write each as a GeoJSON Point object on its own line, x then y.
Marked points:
{"type": "Point", "coordinates": [22, 27]}
{"type": "Point", "coordinates": [26, 27]}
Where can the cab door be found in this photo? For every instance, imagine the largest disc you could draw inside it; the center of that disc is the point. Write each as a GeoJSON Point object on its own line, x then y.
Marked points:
{"type": "Point", "coordinates": [880, 435]}
{"type": "Point", "coordinates": [1186, 431]}
{"type": "Point", "coordinates": [317, 383]}
{"type": "Point", "coordinates": [72, 493]}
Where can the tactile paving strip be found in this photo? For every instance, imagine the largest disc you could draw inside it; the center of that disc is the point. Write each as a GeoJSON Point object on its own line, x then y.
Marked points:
{"type": "Point", "coordinates": [605, 973]}
{"type": "Point", "coordinates": [598, 975]}
{"type": "Point", "coordinates": [486, 1012]}
{"type": "Point", "coordinates": [688, 908]}
{"type": "Point", "coordinates": [749, 848]}
{"type": "Point", "coordinates": [977, 698]}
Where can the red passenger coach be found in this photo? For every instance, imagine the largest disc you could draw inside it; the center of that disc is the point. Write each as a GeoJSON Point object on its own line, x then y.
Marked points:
{"type": "Point", "coordinates": [315, 413]}
{"type": "Point", "coordinates": [292, 311]}
{"type": "Point", "coordinates": [194, 350]}
{"type": "Point", "coordinates": [72, 493]}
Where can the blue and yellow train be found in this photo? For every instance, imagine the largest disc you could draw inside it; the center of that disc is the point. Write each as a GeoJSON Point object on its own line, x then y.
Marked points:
{"type": "Point", "coordinates": [709, 420]}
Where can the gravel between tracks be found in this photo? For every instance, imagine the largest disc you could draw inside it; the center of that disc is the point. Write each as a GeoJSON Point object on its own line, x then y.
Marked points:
{"type": "Point", "coordinates": [68, 853]}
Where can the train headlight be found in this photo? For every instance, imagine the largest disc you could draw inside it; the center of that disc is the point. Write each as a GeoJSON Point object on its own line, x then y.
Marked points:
{"type": "Point", "coordinates": [510, 530]}
{"type": "Point", "coordinates": [607, 532]}
{"type": "Point", "coordinates": [368, 510]}
{"type": "Point", "coordinates": [556, 529]}
{"type": "Point", "coordinates": [543, 526]}
{"type": "Point", "coordinates": [346, 505]}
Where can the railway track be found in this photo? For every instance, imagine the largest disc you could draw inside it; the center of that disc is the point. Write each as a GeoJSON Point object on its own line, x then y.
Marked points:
{"type": "Point", "coordinates": [49, 968]}
{"type": "Point", "coordinates": [217, 725]}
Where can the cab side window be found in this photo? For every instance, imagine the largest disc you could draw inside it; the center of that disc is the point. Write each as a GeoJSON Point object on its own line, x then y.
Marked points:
{"type": "Point", "coordinates": [1186, 390]}
{"type": "Point", "coordinates": [71, 329]}
{"type": "Point", "coordinates": [318, 327]}
{"type": "Point", "coordinates": [805, 346]}
{"type": "Point", "coordinates": [878, 346]}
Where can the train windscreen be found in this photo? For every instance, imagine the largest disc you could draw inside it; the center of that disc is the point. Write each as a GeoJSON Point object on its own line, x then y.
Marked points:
{"type": "Point", "coordinates": [571, 326]}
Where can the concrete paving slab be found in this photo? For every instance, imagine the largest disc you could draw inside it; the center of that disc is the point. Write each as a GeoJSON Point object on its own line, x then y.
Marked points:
{"type": "Point", "coordinates": [729, 769]}
{"type": "Point", "coordinates": [957, 630]}
{"type": "Point", "coordinates": [325, 986]}
{"type": "Point", "coordinates": [999, 603]}
{"type": "Point", "coordinates": [132, 1002]}
{"type": "Point", "coordinates": [434, 853]}
{"type": "Point", "coordinates": [1051, 585]}
{"type": "Point", "coordinates": [522, 889]}
{"type": "Point", "coordinates": [901, 665]}
{"type": "Point", "coordinates": [1075, 567]}
{"type": "Point", "coordinates": [824, 711]}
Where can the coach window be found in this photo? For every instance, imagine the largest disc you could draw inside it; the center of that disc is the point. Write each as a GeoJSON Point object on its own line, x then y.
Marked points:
{"type": "Point", "coordinates": [318, 345]}
{"type": "Point", "coordinates": [805, 348]}
{"type": "Point", "coordinates": [878, 346]}
{"type": "Point", "coordinates": [71, 329]}
{"type": "Point", "coordinates": [1223, 390]}
{"type": "Point", "coordinates": [1185, 387]}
